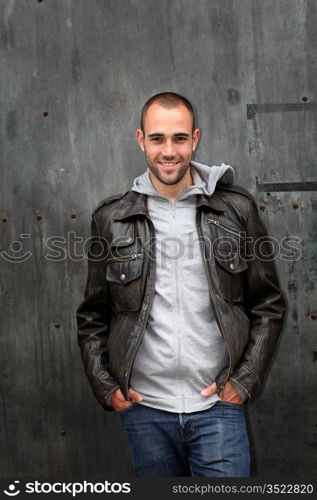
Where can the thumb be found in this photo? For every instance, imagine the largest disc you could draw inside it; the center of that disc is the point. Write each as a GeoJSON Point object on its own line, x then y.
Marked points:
{"type": "Point", "coordinates": [135, 396]}
{"type": "Point", "coordinates": [211, 389]}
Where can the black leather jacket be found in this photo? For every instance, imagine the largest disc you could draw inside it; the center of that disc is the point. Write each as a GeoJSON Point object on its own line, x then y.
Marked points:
{"type": "Point", "coordinates": [244, 288]}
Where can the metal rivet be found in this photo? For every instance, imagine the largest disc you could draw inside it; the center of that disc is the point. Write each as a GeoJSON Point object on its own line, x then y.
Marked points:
{"type": "Point", "coordinates": [57, 325]}
{"type": "Point", "coordinates": [304, 98]}
{"type": "Point", "coordinates": [4, 219]}
{"type": "Point", "coordinates": [295, 205]}
{"type": "Point", "coordinates": [39, 216]}
{"type": "Point", "coordinates": [73, 215]}
{"type": "Point", "coordinates": [231, 265]}
{"type": "Point", "coordinates": [262, 207]}
{"type": "Point", "coordinates": [313, 315]}
{"type": "Point", "coordinates": [62, 432]}
{"type": "Point", "coordinates": [45, 113]}
{"type": "Point", "coordinates": [122, 277]}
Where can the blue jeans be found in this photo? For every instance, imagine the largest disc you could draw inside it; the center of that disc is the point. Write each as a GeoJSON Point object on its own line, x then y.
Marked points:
{"type": "Point", "coordinates": [210, 443]}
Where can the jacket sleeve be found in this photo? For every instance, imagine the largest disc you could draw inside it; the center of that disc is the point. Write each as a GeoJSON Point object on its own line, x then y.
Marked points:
{"type": "Point", "coordinates": [93, 319]}
{"type": "Point", "coordinates": [264, 304]}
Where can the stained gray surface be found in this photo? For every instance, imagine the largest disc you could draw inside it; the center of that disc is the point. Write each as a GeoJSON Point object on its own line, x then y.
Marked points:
{"type": "Point", "coordinates": [91, 64]}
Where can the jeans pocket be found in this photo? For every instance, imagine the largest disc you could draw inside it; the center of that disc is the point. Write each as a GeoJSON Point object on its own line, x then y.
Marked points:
{"type": "Point", "coordinates": [127, 409]}
{"type": "Point", "coordinates": [233, 405]}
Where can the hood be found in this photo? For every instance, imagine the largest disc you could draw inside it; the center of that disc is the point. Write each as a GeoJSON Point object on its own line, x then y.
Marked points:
{"type": "Point", "coordinates": [205, 178]}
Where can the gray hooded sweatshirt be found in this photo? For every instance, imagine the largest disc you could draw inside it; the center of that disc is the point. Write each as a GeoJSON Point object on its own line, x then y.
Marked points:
{"type": "Point", "coordinates": [182, 350]}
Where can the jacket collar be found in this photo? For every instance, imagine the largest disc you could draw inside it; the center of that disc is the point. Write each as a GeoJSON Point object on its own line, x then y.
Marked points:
{"type": "Point", "coordinates": [134, 203]}
{"type": "Point", "coordinates": [214, 201]}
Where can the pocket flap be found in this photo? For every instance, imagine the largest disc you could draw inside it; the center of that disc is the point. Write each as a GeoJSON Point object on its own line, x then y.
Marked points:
{"type": "Point", "coordinates": [122, 241]}
{"type": "Point", "coordinates": [231, 261]}
{"type": "Point", "coordinates": [122, 272]}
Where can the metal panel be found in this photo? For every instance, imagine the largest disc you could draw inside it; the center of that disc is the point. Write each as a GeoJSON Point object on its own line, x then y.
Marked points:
{"type": "Point", "coordinates": [74, 76]}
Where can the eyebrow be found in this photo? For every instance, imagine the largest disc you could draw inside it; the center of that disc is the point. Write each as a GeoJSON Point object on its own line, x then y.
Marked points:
{"type": "Point", "coordinates": [178, 134]}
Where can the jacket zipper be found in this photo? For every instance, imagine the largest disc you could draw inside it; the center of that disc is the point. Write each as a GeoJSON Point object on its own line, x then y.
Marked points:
{"type": "Point", "coordinates": [211, 290]}
{"type": "Point", "coordinates": [116, 329]}
{"type": "Point", "coordinates": [152, 269]}
{"type": "Point", "coordinates": [223, 226]}
{"type": "Point", "coordinates": [122, 258]}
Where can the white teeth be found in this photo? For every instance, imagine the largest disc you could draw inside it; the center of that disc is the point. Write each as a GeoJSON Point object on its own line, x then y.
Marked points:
{"type": "Point", "coordinates": [168, 164]}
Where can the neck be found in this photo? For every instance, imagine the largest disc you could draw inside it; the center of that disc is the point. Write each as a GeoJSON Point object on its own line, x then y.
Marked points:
{"type": "Point", "coordinates": [171, 191]}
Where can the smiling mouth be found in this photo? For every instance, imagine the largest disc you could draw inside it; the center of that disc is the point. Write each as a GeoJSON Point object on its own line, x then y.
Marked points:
{"type": "Point", "coordinates": [168, 164]}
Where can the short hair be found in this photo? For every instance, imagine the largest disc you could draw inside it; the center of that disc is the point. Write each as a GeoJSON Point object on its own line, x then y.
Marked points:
{"type": "Point", "coordinates": [168, 100]}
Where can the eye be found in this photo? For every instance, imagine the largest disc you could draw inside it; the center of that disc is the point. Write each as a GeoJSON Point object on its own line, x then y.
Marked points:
{"type": "Point", "coordinates": [181, 139]}
{"type": "Point", "coordinates": [156, 139]}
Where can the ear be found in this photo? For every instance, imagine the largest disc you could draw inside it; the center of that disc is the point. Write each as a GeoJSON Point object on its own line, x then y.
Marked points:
{"type": "Point", "coordinates": [140, 139]}
{"type": "Point", "coordinates": [196, 135]}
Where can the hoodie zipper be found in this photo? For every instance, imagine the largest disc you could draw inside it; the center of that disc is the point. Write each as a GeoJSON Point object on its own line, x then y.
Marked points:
{"type": "Point", "coordinates": [179, 351]}
{"type": "Point", "coordinates": [225, 227]}
{"type": "Point", "coordinates": [121, 258]}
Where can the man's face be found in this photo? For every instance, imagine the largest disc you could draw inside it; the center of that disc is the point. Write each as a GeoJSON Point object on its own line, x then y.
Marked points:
{"type": "Point", "coordinates": [168, 142]}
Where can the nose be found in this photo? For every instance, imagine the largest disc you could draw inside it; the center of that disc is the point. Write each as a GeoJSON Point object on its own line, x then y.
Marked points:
{"type": "Point", "coordinates": [168, 150]}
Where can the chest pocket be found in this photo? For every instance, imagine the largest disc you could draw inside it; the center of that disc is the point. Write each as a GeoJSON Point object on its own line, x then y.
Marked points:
{"type": "Point", "coordinates": [123, 273]}
{"type": "Point", "coordinates": [228, 250]}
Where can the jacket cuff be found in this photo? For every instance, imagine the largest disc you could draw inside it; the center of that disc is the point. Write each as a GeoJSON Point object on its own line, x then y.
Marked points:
{"type": "Point", "coordinates": [107, 401]}
{"type": "Point", "coordinates": [240, 389]}
{"type": "Point", "coordinates": [246, 378]}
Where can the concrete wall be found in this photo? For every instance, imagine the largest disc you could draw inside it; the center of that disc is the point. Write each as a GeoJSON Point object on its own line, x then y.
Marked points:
{"type": "Point", "coordinates": [74, 76]}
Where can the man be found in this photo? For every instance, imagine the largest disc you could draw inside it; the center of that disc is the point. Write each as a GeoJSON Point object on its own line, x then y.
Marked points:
{"type": "Point", "coordinates": [182, 307]}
